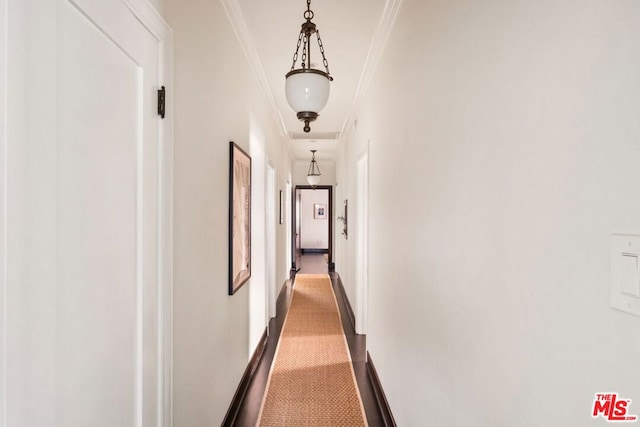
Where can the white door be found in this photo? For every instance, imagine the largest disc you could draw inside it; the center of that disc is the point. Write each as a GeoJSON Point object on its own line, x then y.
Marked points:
{"type": "Point", "coordinates": [88, 210]}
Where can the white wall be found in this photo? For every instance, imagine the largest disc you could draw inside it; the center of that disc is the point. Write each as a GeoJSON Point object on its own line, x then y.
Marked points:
{"type": "Point", "coordinates": [216, 101]}
{"type": "Point", "coordinates": [314, 233]}
{"type": "Point", "coordinates": [3, 212]}
{"type": "Point", "coordinates": [504, 147]}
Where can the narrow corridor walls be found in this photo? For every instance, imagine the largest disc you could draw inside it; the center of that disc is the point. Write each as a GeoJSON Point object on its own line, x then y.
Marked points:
{"type": "Point", "coordinates": [503, 148]}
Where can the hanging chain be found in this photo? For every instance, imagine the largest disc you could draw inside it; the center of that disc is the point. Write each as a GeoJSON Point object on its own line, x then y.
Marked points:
{"type": "Point", "coordinates": [308, 14]}
{"type": "Point", "coordinates": [304, 51]}
{"type": "Point", "coordinates": [303, 39]}
{"type": "Point", "coordinates": [295, 55]}
{"type": "Point", "coordinates": [324, 59]}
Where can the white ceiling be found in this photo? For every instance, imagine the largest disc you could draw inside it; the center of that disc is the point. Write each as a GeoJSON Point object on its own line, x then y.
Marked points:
{"type": "Point", "coordinates": [347, 29]}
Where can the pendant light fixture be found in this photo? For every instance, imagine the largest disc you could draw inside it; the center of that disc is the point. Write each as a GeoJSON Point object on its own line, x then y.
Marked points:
{"type": "Point", "coordinates": [307, 89]}
{"type": "Point", "coordinates": [313, 175]}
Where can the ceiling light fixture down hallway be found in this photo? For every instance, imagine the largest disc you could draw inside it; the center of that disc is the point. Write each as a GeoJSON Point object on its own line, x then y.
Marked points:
{"type": "Point", "coordinates": [307, 89]}
{"type": "Point", "coordinates": [313, 175]}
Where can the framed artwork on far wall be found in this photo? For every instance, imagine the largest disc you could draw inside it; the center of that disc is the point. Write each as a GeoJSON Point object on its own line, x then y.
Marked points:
{"type": "Point", "coordinates": [239, 218]}
{"type": "Point", "coordinates": [319, 211]}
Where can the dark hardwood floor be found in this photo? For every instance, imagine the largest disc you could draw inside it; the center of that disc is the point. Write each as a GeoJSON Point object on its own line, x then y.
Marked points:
{"type": "Point", "coordinates": [248, 413]}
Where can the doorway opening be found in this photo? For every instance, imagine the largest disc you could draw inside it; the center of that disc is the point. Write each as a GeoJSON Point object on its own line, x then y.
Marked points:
{"type": "Point", "coordinates": [312, 230]}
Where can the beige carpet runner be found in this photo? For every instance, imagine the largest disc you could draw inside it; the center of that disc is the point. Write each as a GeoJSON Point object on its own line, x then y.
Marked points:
{"type": "Point", "coordinates": [312, 382]}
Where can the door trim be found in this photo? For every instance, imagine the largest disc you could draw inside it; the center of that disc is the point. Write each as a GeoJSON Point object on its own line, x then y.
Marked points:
{"type": "Point", "coordinates": [270, 241]}
{"type": "Point", "coordinates": [362, 241]}
{"type": "Point", "coordinates": [151, 19]}
{"type": "Point", "coordinates": [331, 264]}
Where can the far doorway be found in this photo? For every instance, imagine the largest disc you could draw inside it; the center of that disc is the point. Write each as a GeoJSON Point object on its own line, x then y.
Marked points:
{"type": "Point", "coordinates": [312, 227]}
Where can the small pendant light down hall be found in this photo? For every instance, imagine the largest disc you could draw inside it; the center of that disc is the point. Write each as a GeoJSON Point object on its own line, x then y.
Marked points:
{"type": "Point", "coordinates": [307, 89]}
{"type": "Point", "coordinates": [313, 175]}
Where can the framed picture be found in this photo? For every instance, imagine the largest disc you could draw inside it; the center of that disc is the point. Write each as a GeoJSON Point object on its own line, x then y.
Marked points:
{"type": "Point", "coordinates": [239, 218]}
{"type": "Point", "coordinates": [345, 219]}
{"type": "Point", "coordinates": [319, 211]}
{"type": "Point", "coordinates": [281, 207]}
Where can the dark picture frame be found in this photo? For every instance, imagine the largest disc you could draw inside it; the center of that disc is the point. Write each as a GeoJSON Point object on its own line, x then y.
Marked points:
{"type": "Point", "coordinates": [239, 217]}
{"type": "Point", "coordinates": [345, 220]}
{"type": "Point", "coordinates": [281, 207]}
{"type": "Point", "coordinates": [320, 211]}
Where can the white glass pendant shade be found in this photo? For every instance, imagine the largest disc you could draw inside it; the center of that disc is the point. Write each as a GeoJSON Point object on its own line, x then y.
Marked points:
{"type": "Point", "coordinates": [313, 180]}
{"type": "Point", "coordinates": [307, 90]}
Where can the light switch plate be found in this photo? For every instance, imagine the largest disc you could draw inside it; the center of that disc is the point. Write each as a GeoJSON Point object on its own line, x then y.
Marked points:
{"type": "Point", "coordinates": [625, 273]}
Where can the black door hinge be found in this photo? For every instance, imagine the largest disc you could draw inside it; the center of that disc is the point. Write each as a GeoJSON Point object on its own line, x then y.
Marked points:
{"type": "Point", "coordinates": [161, 102]}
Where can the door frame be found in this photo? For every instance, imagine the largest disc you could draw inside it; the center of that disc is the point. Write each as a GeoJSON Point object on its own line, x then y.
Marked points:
{"type": "Point", "coordinates": [270, 241]}
{"type": "Point", "coordinates": [362, 242]}
{"type": "Point", "coordinates": [294, 205]}
{"type": "Point", "coordinates": [287, 221]}
{"type": "Point", "coordinates": [160, 29]}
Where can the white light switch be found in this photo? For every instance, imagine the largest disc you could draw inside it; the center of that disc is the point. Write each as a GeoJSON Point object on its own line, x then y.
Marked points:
{"type": "Point", "coordinates": [625, 273]}
{"type": "Point", "coordinates": [630, 280]}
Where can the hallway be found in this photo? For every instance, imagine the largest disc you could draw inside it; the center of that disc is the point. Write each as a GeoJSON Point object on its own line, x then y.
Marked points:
{"type": "Point", "coordinates": [483, 160]}
{"type": "Point", "coordinates": [247, 414]}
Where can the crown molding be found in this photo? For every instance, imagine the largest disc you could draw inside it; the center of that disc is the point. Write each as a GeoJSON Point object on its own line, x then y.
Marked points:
{"type": "Point", "coordinates": [151, 19]}
{"type": "Point", "coordinates": [376, 48]}
{"type": "Point", "coordinates": [241, 30]}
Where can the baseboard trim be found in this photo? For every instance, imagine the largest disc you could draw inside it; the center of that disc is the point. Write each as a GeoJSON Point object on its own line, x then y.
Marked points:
{"type": "Point", "coordinates": [238, 398]}
{"type": "Point", "coordinates": [350, 314]}
{"type": "Point", "coordinates": [314, 251]}
{"type": "Point", "coordinates": [381, 399]}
